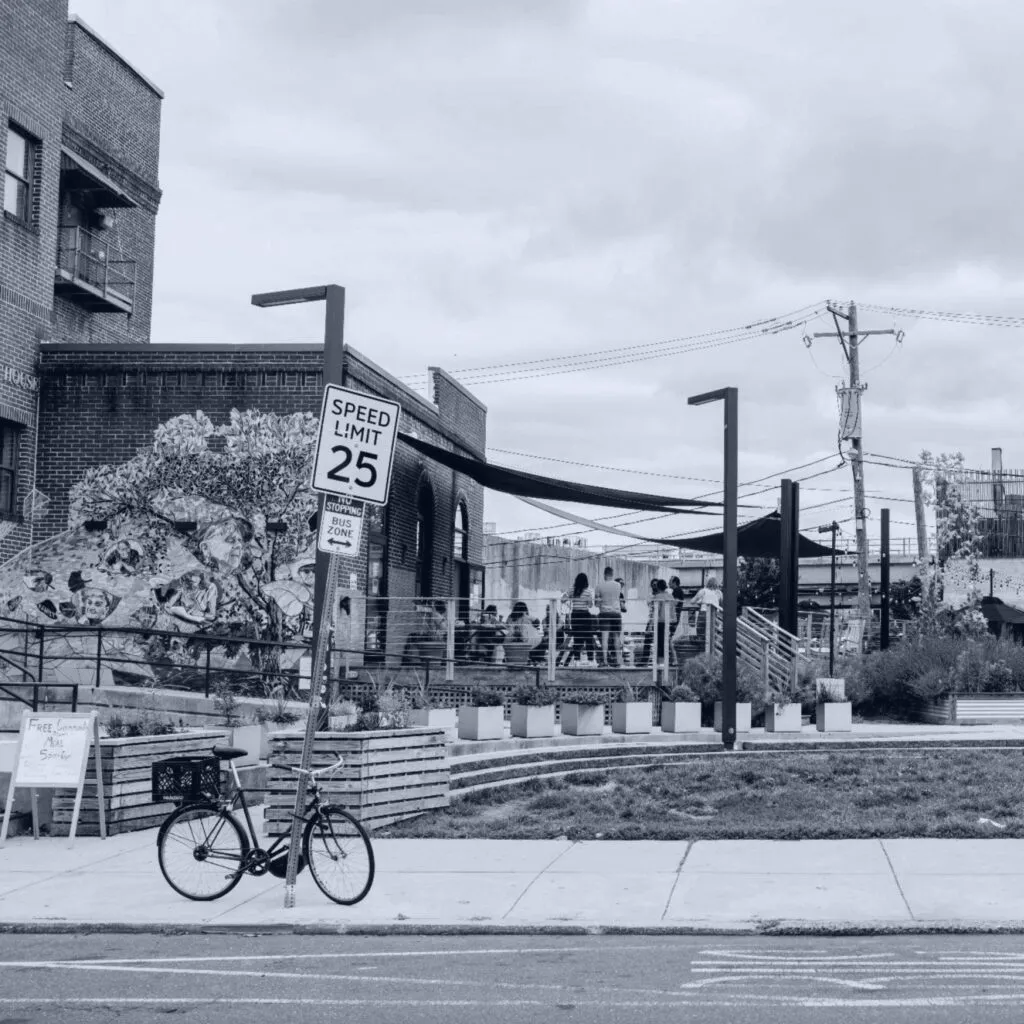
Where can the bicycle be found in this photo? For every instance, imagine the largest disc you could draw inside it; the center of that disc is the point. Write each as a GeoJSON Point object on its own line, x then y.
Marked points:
{"type": "Point", "coordinates": [203, 851]}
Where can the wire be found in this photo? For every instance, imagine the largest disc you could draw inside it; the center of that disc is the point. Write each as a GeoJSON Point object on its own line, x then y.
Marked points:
{"type": "Point", "coordinates": [574, 362]}
{"type": "Point", "coordinates": [593, 465]}
{"type": "Point", "coordinates": [981, 319]}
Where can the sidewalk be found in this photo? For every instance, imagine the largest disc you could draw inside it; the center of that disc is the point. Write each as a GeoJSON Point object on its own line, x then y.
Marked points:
{"type": "Point", "coordinates": [490, 886]}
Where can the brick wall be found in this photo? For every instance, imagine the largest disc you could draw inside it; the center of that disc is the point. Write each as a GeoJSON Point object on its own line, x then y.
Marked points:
{"type": "Point", "coordinates": [101, 405]}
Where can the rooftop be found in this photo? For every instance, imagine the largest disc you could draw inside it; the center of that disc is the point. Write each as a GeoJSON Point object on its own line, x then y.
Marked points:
{"type": "Point", "coordinates": [74, 19]}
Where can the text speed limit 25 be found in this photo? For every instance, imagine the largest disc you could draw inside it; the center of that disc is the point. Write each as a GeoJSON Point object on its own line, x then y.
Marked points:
{"type": "Point", "coordinates": [356, 445]}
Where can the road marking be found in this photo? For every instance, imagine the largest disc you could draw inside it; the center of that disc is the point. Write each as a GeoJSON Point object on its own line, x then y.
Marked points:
{"type": "Point", "coordinates": [310, 956]}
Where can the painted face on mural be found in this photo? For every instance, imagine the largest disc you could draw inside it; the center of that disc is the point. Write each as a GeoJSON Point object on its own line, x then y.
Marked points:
{"type": "Point", "coordinates": [95, 604]}
{"type": "Point", "coordinates": [225, 544]}
{"type": "Point", "coordinates": [306, 574]}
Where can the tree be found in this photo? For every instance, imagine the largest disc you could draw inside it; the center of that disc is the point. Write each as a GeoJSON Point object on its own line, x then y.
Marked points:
{"type": "Point", "coordinates": [758, 582]}
{"type": "Point", "coordinates": [212, 490]}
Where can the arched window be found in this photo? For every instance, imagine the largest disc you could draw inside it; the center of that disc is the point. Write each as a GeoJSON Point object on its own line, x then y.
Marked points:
{"type": "Point", "coordinates": [425, 540]}
{"type": "Point", "coordinates": [460, 536]}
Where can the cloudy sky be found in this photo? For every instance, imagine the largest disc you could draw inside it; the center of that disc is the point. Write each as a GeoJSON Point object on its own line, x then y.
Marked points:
{"type": "Point", "coordinates": [529, 184]}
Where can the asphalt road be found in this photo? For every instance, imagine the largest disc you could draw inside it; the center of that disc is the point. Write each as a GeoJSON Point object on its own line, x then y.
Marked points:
{"type": "Point", "coordinates": [450, 980]}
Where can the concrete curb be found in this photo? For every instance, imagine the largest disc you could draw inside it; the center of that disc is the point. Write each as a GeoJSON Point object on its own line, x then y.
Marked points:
{"type": "Point", "coordinates": [401, 928]}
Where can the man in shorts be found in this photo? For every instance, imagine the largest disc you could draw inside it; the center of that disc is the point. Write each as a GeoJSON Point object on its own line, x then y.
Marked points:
{"type": "Point", "coordinates": [608, 596]}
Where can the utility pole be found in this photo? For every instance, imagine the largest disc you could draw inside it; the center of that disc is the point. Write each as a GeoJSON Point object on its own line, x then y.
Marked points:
{"type": "Point", "coordinates": [850, 430]}
{"type": "Point", "coordinates": [922, 525]}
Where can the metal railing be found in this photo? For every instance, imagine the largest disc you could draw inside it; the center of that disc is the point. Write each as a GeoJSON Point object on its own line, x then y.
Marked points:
{"type": "Point", "coordinates": [83, 255]}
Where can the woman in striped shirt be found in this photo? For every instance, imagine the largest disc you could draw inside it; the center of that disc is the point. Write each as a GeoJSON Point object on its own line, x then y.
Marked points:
{"type": "Point", "coordinates": [582, 623]}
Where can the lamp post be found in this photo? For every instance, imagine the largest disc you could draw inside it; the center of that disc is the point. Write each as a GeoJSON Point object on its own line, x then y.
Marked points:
{"type": "Point", "coordinates": [730, 396]}
{"type": "Point", "coordinates": [831, 528]}
{"type": "Point", "coordinates": [333, 296]}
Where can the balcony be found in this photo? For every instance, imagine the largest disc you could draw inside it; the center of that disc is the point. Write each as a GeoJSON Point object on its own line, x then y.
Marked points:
{"type": "Point", "coordinates": [91, 275]}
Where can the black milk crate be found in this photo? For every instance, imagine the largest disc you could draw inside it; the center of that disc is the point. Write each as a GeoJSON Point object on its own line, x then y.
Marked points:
{"type": "Point", "coordinates": [183, 779]}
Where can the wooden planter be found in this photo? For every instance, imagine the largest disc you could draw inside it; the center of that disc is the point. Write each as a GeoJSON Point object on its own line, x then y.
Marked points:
{"type": "Point", "coordinates": [531, 722]}
{"type": "Point", "coordinates": [433, 718]}
{"type": "Point", "coordinates": [582, 719]}
{"type": "Point", "coordinates": [782, 718]}
{"type": "Point", "coordinates": [680, 716]}
{"type": "Point", "coordinates": [834, 717]}
{"type": "Point", "coordinates": [128, 782]}
{"type": "Point", "coordinates": [743, 710]}
{"type": "Point", "coordinates": [481, 723]}
{"type": "Point", "coordinates": [632, 716]}
{"type": "Point", "coordinates": [388, 775]}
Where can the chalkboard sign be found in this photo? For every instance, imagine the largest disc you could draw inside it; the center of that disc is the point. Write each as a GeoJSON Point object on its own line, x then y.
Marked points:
{"type": "Point", "coordinates": [54, 751]}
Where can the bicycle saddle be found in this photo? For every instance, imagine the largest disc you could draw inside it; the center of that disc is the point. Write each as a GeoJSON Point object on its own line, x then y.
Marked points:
{"type": "Point", "coordinates": [228, 753]}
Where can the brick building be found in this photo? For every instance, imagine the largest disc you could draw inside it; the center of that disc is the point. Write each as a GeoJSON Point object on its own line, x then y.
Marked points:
{"type": "Point", "coordinates": [81, 385]}
{"type": "Point", "coordinates": [79, 142]}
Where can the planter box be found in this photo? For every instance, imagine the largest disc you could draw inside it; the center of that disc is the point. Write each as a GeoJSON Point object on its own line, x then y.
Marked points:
{"type": "Point", "coordinates": [433, 718]}
{"type": "Point", "coordinates": [835, 717]}
{"type": "Point", "coordinates": [680, 716]}
{"type": "Point", "coordinates": [783, 718]}
{"type": "Point", "coordinates": [388, 775]}
{"type": "Point", "coordinates": [530, 722]}
{"type": "Point", "coordinates": [481, 723]}
{"type": "Point", "coordinates": [632, 717]}
{"type": "Point", "coordinates": [517, 653]}
{"type": "Point", "coordinates": [742, 716]}
{"type": "Point", "coordinates": [128, 782]}
{"type": "Point", "coordinates": [250, 739]}
{"type": "Point", "coordinates": [271, 729]}
{"type": "Point", "coordinates": [582, 719]}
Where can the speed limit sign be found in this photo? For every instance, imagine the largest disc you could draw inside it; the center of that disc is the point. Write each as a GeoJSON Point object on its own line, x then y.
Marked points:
{"type": "Point", "coordinates": [356, 445]}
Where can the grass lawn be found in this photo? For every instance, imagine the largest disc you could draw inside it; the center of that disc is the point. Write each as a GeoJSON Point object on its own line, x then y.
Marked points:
{"type": "Point", "coordinates": [800, 795]}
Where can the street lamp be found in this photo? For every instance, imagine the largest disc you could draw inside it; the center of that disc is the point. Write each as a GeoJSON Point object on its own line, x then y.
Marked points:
{"type": "Point", "coordinates": [333, 296]}
{"type": "Point", "coordinates": [831, 528]}
{"type": "Point", "coordinates": [730, 396]}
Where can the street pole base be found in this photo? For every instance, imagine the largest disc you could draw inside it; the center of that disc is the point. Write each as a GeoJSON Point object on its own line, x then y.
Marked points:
{"type": "Point", "coordinates": [289, 897]}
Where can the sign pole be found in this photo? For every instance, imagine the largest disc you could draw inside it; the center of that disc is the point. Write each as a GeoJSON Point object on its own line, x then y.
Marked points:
{"type": "Point", "coordinates": [323, 592]}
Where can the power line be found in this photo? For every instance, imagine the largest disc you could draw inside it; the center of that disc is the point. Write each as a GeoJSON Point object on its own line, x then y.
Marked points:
{"type": "Point", "coordinates": [574, 362]}
{"type": "Point", "coordinates": [979, 319]}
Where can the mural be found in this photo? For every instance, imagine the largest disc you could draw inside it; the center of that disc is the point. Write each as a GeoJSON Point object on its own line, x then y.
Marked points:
{"type": "Point", "coordinates": [206, 531]}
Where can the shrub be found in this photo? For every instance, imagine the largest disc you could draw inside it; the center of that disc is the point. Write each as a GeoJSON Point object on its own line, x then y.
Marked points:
{"type": "Point", "coordinates": [485, 698]}
{"type": "Point", "coordinates": [226, 703]}
{"type": "Point", "coordinates": [139, 723]}
{"type": "Point", "coordinates": [534, 696]}
{"type": "Point", "coordinates": [703, 676]}
{"type": "Point", "coordinates": [280, 713]}
{"type": "Point", "coordinates": [681, 692]}
{"type": "Point", "coordinates": [629, 694]}
{"type": "Point", "coordinates": [831, 694]}
{"type": "Point", "coordinates": [590, 698]}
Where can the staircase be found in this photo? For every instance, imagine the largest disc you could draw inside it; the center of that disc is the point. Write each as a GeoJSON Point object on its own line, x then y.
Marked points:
{"type": "Point", "coordinates": [764, 646]}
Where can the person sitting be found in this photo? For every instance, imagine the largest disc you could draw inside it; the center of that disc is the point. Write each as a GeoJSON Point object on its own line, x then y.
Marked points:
{"type": "Point", "coordinates": [488, 636]}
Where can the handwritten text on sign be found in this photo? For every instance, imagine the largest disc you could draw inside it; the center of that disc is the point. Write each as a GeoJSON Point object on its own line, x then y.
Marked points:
{"type": "Point", "coordinates": [356, 445]}
{"type": "Point", "coordinates": [53, 750]}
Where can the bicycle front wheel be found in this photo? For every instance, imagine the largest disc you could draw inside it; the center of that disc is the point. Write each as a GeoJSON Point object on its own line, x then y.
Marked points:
{"type": "Point", "coordinates": [201, 851]}
{"type": "Point", "coordinates": [339, 855]}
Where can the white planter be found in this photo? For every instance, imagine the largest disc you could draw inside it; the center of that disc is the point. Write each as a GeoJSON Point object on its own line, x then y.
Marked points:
{"type": "Point", "coordinates": [481, 723]}
{"type": "Point", "coordinates": [632, 716]}
{"type": "Point", "coordinates": [742, 716]}
{"type": "Point", "coordinates": [250, 739]}
{"type": "Point", "coordinates": [530, 722]}
{"type": "Point", "coordinates": [433, 718]}
{"type": "Point", "coordinates": [835, 717]}
{"type": "Point", "coordinates": [582, 719]}
{"type": "Point", "coordinates": [680, 716]}
{"type": "Point", "coordinates": [782, 718]}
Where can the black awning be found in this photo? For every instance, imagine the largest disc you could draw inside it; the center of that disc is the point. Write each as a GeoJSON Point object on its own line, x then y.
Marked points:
{"type": "Point", "coordinates": [761, 538]}
{"type": "Point", "coordinates": [82, 176]}
{"type": "Point", "coordinates": [996, 610]}
{"type": "Point", "coordinates": [530, 485]}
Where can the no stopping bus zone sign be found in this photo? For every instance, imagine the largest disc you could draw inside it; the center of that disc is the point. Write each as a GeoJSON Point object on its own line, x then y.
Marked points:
{"type": "Point", "coordinates": [356, 445]}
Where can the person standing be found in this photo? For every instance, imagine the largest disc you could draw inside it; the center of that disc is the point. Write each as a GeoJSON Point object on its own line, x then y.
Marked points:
{"type": "Point", "coordinates": [582, 622]}
{"type": "Point", "coordinates": [663, 609]}
{"type": "Point", "coordinates": [709, 596]}
{"type": "Point", "coordinates": [609, 607]}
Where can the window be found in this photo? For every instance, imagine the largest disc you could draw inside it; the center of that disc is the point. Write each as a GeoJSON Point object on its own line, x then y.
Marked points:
{"type": "Point", "coordinates": [460, 545]}
{"type": "Point", "coordinates": [424, 541]}
{"type": "Point", "coordinates": [18, 175]}
{"type": "Point", "coordinates": [8, 467]}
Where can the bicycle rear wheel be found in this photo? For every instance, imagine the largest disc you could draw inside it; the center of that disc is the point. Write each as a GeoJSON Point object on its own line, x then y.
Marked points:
{"type": "Point", "coordinates": [201, 850]}
{"type": "Point", "coordinates": [339, 855]}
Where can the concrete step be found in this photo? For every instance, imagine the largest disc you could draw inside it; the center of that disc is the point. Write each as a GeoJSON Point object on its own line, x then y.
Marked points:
{"type": "Point", "coordinates": [538, 766]}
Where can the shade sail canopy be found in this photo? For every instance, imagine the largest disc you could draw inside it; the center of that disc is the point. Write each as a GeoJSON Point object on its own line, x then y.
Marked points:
{"type": "Point", "coordinates": [530, 485]}
{"type": "Point", "coordinates": [761, 538]}
{"type": "Point", "coordinates": [996, 610]}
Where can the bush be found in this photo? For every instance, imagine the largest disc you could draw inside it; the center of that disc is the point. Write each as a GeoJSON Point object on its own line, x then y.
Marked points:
{"type": "Point", "coordinates": [139, 723]}
{"type": "Point", "coordinates": [629, 694]}
{"type": "Point", "coordinates": [703, 676]}
{"type": "Point", "coordinates": [534, 696]}
{"type": "Point", "coordinates": [589, 698]}
{"type": "Point", "coordinates": [681, 692]}
{"type": "Point", "coordinates": [485, 698]}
